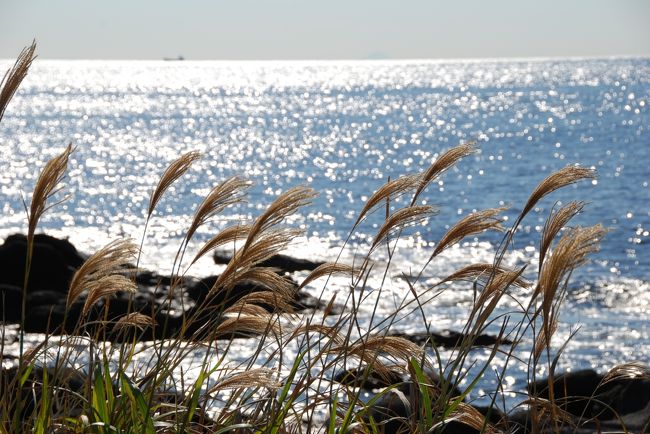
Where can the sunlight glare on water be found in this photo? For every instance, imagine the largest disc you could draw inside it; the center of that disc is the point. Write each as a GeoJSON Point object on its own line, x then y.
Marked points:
{"type": "Point", "coordinates": [345, 128]}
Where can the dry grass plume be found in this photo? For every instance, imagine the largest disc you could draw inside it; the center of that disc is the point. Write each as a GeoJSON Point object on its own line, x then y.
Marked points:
{"type": "Point", "coordinates": [556, 180]}
{"type": "Point", "coordinates": [103, 273]}
{"type": "Point", "coordinates": [441, 165]}
{"type": "Point", "coordinates": [47, 186]}
{"type": "Point", "coordinates": [14, 76]}
{"type": "Point", "coordinates": [226, 236]}
{"type": "Point", "coordinates": [472, 224]}
{"type": "Point", "coordinates": [174, 171]}
{"type": "Point", "coordinates": [328, 269]}
{"type": "Point", "coordinates": [394, 188]}
{"type": "Point", "coordinates": [228, 192]}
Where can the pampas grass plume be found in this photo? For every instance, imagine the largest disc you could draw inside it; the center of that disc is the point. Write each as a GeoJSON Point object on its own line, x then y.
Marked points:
{"type": "Point", "coordinates": [14, 76]}
{"type": "Point", "coordinates": [174, 171]}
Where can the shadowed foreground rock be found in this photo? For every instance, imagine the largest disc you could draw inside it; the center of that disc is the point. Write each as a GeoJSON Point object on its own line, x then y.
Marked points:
{"type": "Point", "coordinates": [592, 404]}
{"type": "Point", "coordinates": [597, 404]}
{"type": "Point", "coordinates": [66, 384]}
{"type": "Point", "coordinates": [396, 412]}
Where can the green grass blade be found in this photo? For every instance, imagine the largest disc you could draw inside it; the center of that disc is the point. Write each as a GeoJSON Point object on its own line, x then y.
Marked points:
{"type": "Point", "coordinates": [43, 420]}
{"type": "Point", "coordinates": [332, 422]}
{"type": "Point", "coordinates": [424, 394]}
{"type": "Point", "coordinates": [138, 405]}
{"type": "Point", "coordinates": [277, 422]}
{"type": "Point", "coordinates": [196, 393]}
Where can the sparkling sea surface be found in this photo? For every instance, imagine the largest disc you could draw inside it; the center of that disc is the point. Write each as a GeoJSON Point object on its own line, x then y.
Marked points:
{"type": "Point", "coordinates": [345, 128]}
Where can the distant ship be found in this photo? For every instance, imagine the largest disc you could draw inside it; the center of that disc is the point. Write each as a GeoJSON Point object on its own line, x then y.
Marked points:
{"type": "Point", "coordinates": [179, 57]}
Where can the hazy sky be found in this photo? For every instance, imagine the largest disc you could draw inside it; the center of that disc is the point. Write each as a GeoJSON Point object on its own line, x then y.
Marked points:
{"type": "Point", "coordinates": [326, 29]}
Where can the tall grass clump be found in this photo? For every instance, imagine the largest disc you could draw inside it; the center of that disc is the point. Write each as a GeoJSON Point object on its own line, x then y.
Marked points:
{"type": "Point", "coordinates": [109, 391]}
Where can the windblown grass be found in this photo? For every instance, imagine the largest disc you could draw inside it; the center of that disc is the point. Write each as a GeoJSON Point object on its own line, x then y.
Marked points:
{"type": "Point", "coordinates": [269, 393]}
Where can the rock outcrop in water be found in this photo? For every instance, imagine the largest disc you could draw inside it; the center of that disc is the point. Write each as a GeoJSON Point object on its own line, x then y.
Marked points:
{"type": "Point", "coordinates": [451, 339]}
{"type": "Point", "coordinates": [53, 263]}
{"type": "Point", "coordinates": [283, 263]}
{"type": "Point", "coordinates": [167, 300]}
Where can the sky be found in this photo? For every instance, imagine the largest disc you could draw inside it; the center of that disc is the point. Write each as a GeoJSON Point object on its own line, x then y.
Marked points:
{"type": "Point", "coordinates": [326, 29]}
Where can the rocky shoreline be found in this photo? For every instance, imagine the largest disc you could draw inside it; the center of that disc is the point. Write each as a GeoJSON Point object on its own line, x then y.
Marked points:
{"type": "Point", "coordinates": [164, 298]}
{"type": "Point", "coordinates": [592, 401]}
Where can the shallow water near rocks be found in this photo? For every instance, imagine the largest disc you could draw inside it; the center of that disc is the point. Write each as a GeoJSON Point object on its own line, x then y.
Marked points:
{"type": "Point", "coordinates": [344, 128]}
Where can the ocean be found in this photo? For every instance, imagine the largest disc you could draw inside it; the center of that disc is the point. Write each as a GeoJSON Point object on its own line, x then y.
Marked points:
{"type": "Point", "coordinates": [345, 128]}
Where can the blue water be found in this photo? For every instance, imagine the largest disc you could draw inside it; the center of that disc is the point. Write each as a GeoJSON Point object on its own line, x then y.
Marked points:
{"type": "Point", "coordinates": [344, 128]}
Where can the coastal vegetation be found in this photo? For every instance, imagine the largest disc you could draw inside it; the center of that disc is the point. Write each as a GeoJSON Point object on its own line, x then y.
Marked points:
{"type": "Point", "coordinates": [103, 316]}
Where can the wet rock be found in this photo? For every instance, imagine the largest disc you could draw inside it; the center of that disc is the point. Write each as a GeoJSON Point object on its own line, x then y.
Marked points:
{"type": "Point", "coordinates": [159, 285]}
{"type": "Point", "coordinates": [395, 412]}
{"type": "Point", "coordinates": [71, 256]}
{"type": "Point", "coordinates": [160, 297]}
{"type": "Point", "coordinates": [222, 299]}
{"type": "Point", "coordinates": [283, 263]}
{"type": "Point", "coordinates": [357, 377]}
{"type": "Point", "coordinates": [50, 318]}
{"type": "Point", "coordinates": [493, 415]}
{"type": "Point", "coordinates": [10, 303]}
{"type": "Point", "coordinates": [592, 404]}
{"type": "Point", "coordinates": [392, 413]}
{"type": "Point", "coordinates": [50, 268]}
{"type": "Point", "coordinates": [373, 381]}
{"type": "Point", "coordinates": [585, 394]}
{"type": "Point", "coordinates": [66, 387]}
{"type": "Point", "coordinates": [100, 321]}
{"type": "Point", "coordinates": [451, 339]}
{"type": "Point", "coordinates": [44, 298]}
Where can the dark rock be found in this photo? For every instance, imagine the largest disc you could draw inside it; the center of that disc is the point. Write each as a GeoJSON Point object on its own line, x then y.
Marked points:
{"type": "Point", "coordinates": [44, 298]}
{"type": "Point", "coordinates": [157, 284]}
{"type": "Point", "coordinates": [100, 321]}
{"type": "Point", "coordinates": [451, 339]}
{"type": "Point", "coordinates": [49, 318]}
{"type": "Point", "coordinates": [393, 413]}
{"type": "Point", "coordinates": [372, 381]}
{"type": "Point", "coordinates": [617, 405]}
{"type": "Point", "coordinates": [10, 303]}
{"type": "Point", "coordinates": [66, 249]}
{"type": "Point", "coordinates": [521, 422]}
{"type": "Point", "coordinates": [66, 387]}
{"type": "Point", "coordinates": [151, 279]}
{"type": "Point", "coordinates": [223, 299]}
{"type": "Point", "coordinates": [586, 395]}
{"type": "Point", "coordinates": [53, 263]}
{"type": "Point", "coordinates": [307, 302]}
{"type": "Point", "coordinates": [165, 327]}
{"type": "Point", "coordinates": [283, 263]}
{"type": "Point", "coordinates": [393, 410]}
{"type": "Point", "coordinates": [493, 415]}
